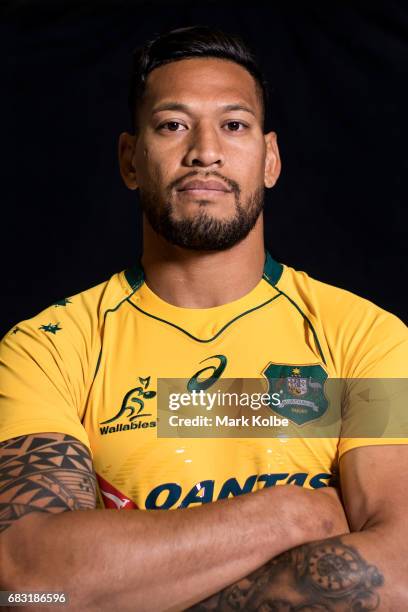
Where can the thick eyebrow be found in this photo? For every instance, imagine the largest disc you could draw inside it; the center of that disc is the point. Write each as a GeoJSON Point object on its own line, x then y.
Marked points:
{"type": "Point", "coordinates": [184, 108]}
{"type": "Point", "coordinates": [238, 107]}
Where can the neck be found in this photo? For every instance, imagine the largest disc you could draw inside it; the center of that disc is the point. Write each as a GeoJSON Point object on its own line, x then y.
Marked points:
{"type": "Point", "coordinates": [202, 279]}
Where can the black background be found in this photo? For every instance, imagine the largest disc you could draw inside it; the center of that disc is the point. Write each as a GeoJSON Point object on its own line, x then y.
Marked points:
{"type": "Point", "coordinates": [338, 74]}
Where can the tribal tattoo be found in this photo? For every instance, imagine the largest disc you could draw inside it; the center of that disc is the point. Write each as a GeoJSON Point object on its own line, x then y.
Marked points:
{"type": "Point", "coordinates": [325, 576]}
{"type": "Point", "coordinates": [44, 473]}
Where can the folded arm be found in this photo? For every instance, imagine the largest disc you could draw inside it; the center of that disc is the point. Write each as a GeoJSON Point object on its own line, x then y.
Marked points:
{"type": "Point", "coordinates": [54, 539]}
{"type": "Point", "coordinates": [363, 570]}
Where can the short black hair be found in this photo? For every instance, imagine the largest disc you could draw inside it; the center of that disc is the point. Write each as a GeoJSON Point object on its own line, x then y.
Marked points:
{"type": "Point", "coordinates": [186, 43]}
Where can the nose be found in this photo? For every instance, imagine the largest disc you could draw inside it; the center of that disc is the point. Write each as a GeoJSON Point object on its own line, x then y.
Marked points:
{"type": "Point", "coordinates": [204, 148]}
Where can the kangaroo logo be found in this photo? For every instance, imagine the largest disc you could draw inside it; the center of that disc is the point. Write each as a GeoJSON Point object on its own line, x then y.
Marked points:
{"type": "Point", "coordinates": [136, 396]}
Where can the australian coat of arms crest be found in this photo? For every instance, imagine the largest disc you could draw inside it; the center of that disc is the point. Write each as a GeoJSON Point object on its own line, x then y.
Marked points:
{"type": "Point", "coordinates": [301, 391]}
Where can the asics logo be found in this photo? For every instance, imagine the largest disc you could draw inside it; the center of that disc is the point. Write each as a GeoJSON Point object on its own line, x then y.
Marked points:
{"type": "Point", "coordinates": [200, 381]}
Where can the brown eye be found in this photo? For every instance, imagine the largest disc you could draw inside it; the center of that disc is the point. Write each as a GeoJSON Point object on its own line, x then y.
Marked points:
{"type": "Point", "coordinates": [171, 126]}
{"type": "Point", "coordinates": [234, 126]}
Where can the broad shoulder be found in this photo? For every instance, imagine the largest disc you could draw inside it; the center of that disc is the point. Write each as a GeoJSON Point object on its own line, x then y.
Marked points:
{"type": "Point", "coordinates": [81, 313]}
{"type": "Point", "coordinates": [357, 332]}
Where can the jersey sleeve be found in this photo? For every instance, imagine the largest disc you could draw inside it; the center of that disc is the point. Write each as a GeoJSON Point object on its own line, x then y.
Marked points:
{"type": "Point", "coordinates": [375, 409]}
{"type": "Point", "coordinates": [44, 374]}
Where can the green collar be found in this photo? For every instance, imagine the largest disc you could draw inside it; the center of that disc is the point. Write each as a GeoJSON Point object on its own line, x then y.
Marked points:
{"type": "Point", "coordinates": [272, 272]}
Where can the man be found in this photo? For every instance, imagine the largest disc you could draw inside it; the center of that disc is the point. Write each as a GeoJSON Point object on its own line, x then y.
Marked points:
{"type": "Point", "coordinates": [79, 387]}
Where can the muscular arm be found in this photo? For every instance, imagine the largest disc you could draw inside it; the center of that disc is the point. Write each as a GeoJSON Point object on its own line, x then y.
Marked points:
{"type": "Point", "coordinates": [136, 560]}
{"type": "Point", "coordinates": [364, 570]}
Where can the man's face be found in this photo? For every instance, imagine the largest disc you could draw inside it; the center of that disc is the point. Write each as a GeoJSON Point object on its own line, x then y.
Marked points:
{"type": "Point", "coordinates": [199, 157]}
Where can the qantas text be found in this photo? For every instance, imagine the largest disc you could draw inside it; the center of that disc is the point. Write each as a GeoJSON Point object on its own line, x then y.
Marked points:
{"type": "Point", "coordinates": [170, 493]}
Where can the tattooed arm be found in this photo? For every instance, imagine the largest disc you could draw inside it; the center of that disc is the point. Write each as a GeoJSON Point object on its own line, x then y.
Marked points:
{"type": "Point", "coordinates": [136, 560]}
{"type": "Point", "coordinates": [44, 473]}
{"type": "Point", "coordinates": [364, 570]}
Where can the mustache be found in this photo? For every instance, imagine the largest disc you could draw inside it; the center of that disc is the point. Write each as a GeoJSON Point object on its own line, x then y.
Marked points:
{"type": "Point", "coordinates": [233, 185]}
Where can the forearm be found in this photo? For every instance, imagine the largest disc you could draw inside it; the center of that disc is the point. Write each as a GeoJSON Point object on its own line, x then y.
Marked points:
{"type": "Point", "coordinates": [149, 560]}
{"type": "Point", "coordinates": [366, 570]}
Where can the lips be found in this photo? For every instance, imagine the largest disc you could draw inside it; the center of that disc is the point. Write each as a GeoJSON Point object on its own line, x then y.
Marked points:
{"type": "Point", "coordinates": [204, 185]}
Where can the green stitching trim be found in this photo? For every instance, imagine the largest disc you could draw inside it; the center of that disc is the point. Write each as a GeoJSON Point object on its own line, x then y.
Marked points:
{"type": "Point", "coordinates": [273, 271]}
{"type": "Point", "coordinates": [135, 288]}
{"type": "Point", "coordinates": [191, 335]}
{"type": "Point", "coordinates": [319, 348]}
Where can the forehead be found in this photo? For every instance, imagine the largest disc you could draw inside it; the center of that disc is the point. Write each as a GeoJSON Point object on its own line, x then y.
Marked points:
{"type": "Point", "coordinates": [199, 81]}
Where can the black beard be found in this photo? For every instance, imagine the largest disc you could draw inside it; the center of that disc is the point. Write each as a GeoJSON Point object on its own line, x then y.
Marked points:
{"type": "Point", "coordinates": [204, 232]}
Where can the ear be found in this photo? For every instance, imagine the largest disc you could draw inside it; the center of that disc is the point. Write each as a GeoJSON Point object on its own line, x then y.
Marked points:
{"type": "Point", "coordinates": [126, 160]}
{"type": "Point", "coordinates": [272, 160]}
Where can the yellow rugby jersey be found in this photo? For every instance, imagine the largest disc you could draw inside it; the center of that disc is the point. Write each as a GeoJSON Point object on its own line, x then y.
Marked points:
{"type": "Point", "coordinates": [88, 366]}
